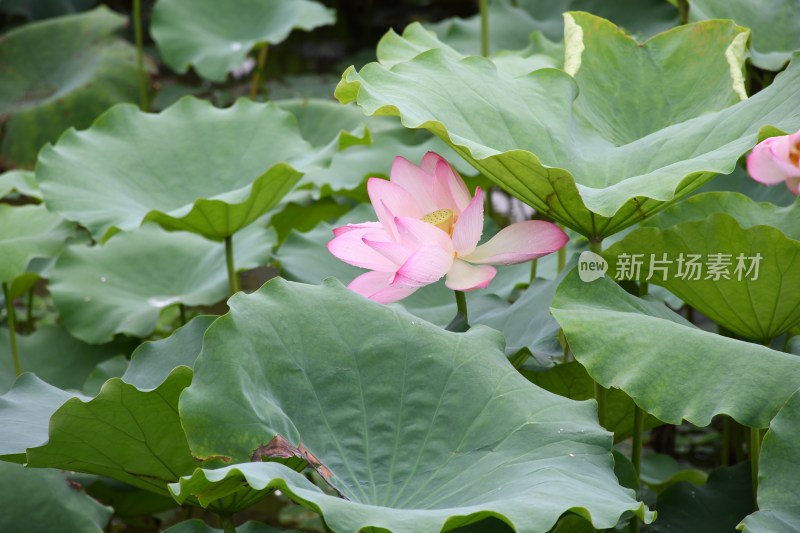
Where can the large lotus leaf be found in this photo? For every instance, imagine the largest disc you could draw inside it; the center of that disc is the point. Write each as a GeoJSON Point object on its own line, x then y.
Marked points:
{"type": "Point", "coordinates": [670, 368]}
{"type": "Point", "coordinates": [215, 37]}
{"type": "Point", "coordinates": [123, 286]}
{"type": "Point", "coordinates": [779, 475]}
{"type": "Point", "coordinates": [28, 232]}
{"type": "Point", "coordinates": [419, 428]}
{"type": "Point", "coordinates": [775, 25]}
{"type": "Point", "coordinates": [532, 136]}
{"type": "Point", "coordinates": [56, 357]}
{"type": "Point", "coordinates": [45, 500]}
{"type": "Point", "coordinates": [511, 25]}
{"type": "Point", "coordinates": [21, 182]}
{"type": "Point", "coordinates": [756, 293]}
{"type": "Point", "coordinates": [124, 433]}
{"type": "Point", "coordinates": [191, 167]}
{"type": "Point", "coordinates": [59, 73]}
{"type": "Point", "coordinates": [718, 505]}
{"type": "Point", "coordinates": [40, 9]}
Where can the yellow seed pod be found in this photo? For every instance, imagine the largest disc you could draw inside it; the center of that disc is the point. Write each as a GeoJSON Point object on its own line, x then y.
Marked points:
{"type": "Point", "coordinates": [442, 219]}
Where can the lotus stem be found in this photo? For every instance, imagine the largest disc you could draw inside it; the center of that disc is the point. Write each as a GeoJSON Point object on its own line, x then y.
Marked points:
{"type": "Point", "coordinates": [182, 312]}
{"type": "Point", "coordinates": [534, 264]}
{"type": "Point", "coordinates": [596, 246]}
{"type": "Point", "coordinates": [233, 278]}
{"type": "Point", "coordinates": [255, 85]}
{"type": "Point", "coordinates": [562, 258]}
{"type": "Point", "coordinates": [636, 455]}
{"type": "Point", "coordinates": [12, 328]}
{"type": "Point", "coordinates": [755, 454]}
{"type": "Point", "coordinates": [726, 441]}
{"type": "Point", "coordinates": [484, 27]}
{"type": "Point", "coordinates": [683, 11]}
{"type": "Point", "coordinates": [143, 77]}
{"type": "Point", "coordinates": [638, 429]}
{"type": "Point", "coordinates": [226, 523]}
{"type": "Point", "coordinates": [29, 313]}
{"type": "Point", "coordinates": [461, 303]}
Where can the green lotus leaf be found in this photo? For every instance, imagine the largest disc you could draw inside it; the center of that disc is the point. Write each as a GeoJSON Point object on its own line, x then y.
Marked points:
{"type": "Point", "coordinates": [510, 24]}
{"type": "Point", "coordinates": [215, 37]}
{"type": "Point", "coordinates": [129, 503]}
{"type": "Point", "coordinates": [124, 433]}
{"type": "Point", "coordinates": [59, 73]}
{"type": "Point", "coordinates": [778, 475]}
{"type": "Point", "coordinates": [540, 52]}
{"type": "Point", "coordinates": [526, 323]}
{"type": "Point", "coordinates": [198, 526]}
{"type": "Point", "coordinates": [123, 286]}
{"type": "Point", "coordinates": [775, 25]}
{"type": "Point", "coordinates": [322, 122]}
{"type": "Point", "coordinates": [308, 371]}
{"type": "Point", "coordinates": [744, 274]}
{"type": "Point", "coordinates": [740, 181]}
{"type": "Point", "coordinates": [661, 471]}
{"type": "Point", "coordinates": [564, 145]}
{"type": "Point", "coordinates": [718, 505]}
{"type": "Point", "coordinates": [110, 368]}
{"type": "Point", "coordinates": [25, 411]}
{"type": "Point", "coordinates": [571, 381]}
{"type": "Point", "coordinates": [191, 167]}
{"type": "Point", "coordinates": [354, 147]}
{"type": "Point", "coordinates": [45, 500]}
{"type": "Point", "coordinates": [28, 232]}
{"type": "Point", "coordinates": [56, 357]}
{"type": "Point", "coordinates": [153, 361]}
{"type": "Point", "coordinates": [670, 368]}
{"type": "Point", "coordinates": [21, 182]}
{"type": "Point", "coordinates": [38, 9]}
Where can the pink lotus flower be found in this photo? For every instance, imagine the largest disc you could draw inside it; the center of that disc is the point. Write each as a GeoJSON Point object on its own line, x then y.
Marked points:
{"type": "Point", "coordinates": [429, 227]}
{"type": "Point", "coordinates": [775, 160]}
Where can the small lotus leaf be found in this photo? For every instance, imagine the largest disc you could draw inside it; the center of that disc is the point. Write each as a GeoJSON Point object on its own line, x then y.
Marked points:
{"type": "Point", "coordinates": [21, 182]}
{"type": "Point", "coordinates": [28, 232]}
{"type": "Point", "coordinates": [59, 73]}
{"type": "Point", "coordinates": [215, 37]}
{"type": "Point", "coordinates": [45, 500]}
{"type": "Point", "coordinates": [123, 286]}
{"type": "Point", "coordinates": [744, 273]}
{"type": "Point", "coordinates": [775, 25]}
